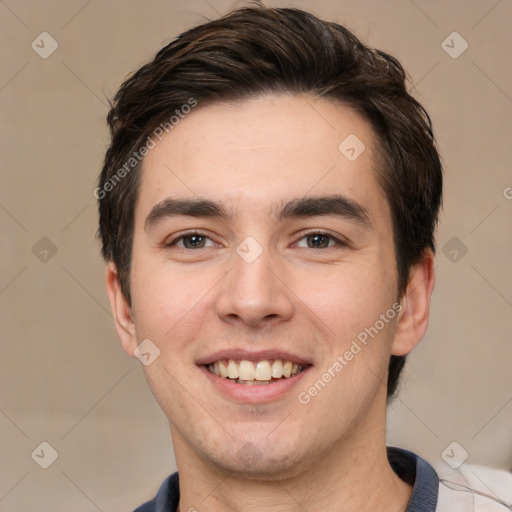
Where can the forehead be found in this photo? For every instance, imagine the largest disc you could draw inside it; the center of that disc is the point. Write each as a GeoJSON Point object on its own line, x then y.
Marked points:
{"type": "Point", "coordinates": [261, 152]}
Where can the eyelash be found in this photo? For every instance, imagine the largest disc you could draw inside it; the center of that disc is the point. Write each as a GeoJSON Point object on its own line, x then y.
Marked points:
{"type": "Point", "coordinates": [337, 241]}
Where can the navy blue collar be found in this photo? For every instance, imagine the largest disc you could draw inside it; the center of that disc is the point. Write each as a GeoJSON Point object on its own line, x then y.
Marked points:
{"type": "Point", "coordinates": [417, 472]}
{"type": "Point", "coordinates": [407, 465]}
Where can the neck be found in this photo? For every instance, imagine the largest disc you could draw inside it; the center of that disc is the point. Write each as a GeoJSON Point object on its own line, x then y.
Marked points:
{"type": "Point", "coordinates": [353, 475]}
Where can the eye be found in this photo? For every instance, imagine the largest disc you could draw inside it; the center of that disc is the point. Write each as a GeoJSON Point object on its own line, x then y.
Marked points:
{"type": "Point", "coordinates": [199, 240]}
{"type": "Point", "coordinates": [193, 240]}
{"type": "Point", "coordinates": [321, 240]}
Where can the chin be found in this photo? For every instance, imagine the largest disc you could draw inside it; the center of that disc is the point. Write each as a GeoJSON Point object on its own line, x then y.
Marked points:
{"type": "Point", "coordinates": [259, 461]}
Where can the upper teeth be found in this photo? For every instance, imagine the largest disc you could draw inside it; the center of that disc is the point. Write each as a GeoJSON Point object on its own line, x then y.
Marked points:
{"type": "Point", "coordinates": [261, 370]}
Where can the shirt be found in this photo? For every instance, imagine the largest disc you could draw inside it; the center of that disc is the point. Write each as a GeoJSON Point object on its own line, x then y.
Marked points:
{"type": "Point", "coordinates": [466, 489]}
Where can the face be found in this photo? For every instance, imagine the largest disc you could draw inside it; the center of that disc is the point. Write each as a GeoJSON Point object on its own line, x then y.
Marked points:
{"type": "Point", "coordinates": [282, 263]}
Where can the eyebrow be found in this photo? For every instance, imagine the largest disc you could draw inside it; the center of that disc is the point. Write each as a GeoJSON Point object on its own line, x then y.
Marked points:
{"type": "Point", "coordinates": [328, 205]}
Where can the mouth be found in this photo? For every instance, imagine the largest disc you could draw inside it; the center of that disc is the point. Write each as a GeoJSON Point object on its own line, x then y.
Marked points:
{"type": "Point", "coordinates": [250, 377]}
{"type": "Point", "coordinates": [254, 377]}
{"type": "Point", "coordinates": [251, 373]}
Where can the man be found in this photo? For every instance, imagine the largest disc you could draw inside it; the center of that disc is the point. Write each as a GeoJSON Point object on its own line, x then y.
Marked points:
{"type": "Point", "coordinates": [267, 211]}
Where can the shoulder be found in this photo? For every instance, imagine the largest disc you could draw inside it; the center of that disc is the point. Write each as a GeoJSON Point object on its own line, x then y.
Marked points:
{"type": "Point", "coordinates": [149, 506]}
{"type": "Point", "coordinates": [166, 499]}
{"type": "Point", "coordinates": [474, 487]}
{"type": "Point", "coordinates": [440, 488]}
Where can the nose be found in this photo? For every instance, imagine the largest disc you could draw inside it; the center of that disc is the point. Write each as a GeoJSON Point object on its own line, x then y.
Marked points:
{"type": "Point", "coordinates": [256, 293]}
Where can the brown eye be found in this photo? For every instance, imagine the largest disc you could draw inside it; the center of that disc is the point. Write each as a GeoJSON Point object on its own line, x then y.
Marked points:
{"type": "Point", "coordinates": [194, 241]}
{"type": "Point", "coordinates": [320, 241]}
{"type": "Point", "coordinates": [191, 241]}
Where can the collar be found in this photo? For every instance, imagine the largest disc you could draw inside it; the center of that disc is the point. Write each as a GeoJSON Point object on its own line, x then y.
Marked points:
{"type": "Point", "coordinates": [407, 465]}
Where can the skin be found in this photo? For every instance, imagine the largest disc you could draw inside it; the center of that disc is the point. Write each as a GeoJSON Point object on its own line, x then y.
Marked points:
{"type": "Point", "coordinates": [250, 156]}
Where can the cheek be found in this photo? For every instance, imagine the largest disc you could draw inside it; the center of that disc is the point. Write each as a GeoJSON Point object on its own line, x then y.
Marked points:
{"type": "Point", "coordinates": [161, 298]}
{"type": "Point", "coordinates": [357, 343]}
{"type": "Point", "coordinates": [173, 303]}
{"type": "Point", "coordinates": [347, 298]}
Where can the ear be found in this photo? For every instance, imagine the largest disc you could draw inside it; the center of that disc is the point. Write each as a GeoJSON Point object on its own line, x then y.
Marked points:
{"type": "Point", "coordinates": [121, 309]}
{"type": "Point", "coordinates": [413, 317]}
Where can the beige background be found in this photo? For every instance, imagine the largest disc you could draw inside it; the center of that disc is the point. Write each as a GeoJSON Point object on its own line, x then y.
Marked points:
{"type": "Point", "coordinates": [63, 376]}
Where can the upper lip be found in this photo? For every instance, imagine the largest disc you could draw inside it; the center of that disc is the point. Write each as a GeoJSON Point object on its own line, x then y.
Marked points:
{"type": "Point", "coordinates": [250, 355]}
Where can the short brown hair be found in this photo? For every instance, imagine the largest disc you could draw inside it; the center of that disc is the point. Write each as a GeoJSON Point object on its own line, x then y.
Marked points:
{"type": "Point", "coordinates": [256, 50]}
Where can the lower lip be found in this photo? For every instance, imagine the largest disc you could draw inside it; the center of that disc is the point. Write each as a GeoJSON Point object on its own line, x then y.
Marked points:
{"type": "Point", "coordinates": [256, 393]}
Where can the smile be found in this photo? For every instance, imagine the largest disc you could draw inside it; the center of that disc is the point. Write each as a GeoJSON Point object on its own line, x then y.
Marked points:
{"type": "Point", "coordinates": [254, 373]}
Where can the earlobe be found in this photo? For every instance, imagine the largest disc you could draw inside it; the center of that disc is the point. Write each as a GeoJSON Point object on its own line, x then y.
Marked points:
{"type": "Point", "coordinates": [121, 310]}
{"type": "Point", "coordinates": [413, 319]}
